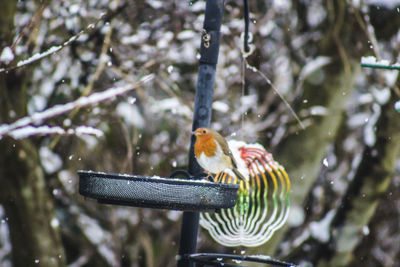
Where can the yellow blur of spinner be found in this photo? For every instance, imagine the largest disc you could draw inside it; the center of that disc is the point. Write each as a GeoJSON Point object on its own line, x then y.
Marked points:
{"type": "Point", "coordinates": [263, 201]}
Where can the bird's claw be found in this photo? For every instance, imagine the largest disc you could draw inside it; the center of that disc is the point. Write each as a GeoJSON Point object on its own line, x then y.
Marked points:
{"type": "Point", "coordinates": [209, 177]}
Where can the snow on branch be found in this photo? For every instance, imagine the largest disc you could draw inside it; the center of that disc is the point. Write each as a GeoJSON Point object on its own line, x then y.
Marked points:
{"type": "Point", "coordinates": [372, 62]}
{"type": "Point", "coordinates": [38, 117]}
{"type": "Point", "coordinates": [27, 131]}
{"type": "Point", "coordinates": [51, 50]}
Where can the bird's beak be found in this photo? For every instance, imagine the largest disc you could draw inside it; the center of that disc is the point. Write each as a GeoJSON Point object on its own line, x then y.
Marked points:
{"type": "Point", "coordinates": [194, 133]}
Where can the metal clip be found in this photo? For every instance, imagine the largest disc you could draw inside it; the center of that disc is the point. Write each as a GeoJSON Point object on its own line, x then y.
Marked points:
{"type": "Point", "coordinates": [206, 39]}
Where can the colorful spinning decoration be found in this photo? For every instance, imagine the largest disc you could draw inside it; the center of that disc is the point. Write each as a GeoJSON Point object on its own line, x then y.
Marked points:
{"type": "Point", "coordinates": [263, 201]}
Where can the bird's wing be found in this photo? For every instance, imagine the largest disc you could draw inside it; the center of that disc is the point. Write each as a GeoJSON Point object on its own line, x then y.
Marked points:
{"type": "Point", "coordinates": [225, 147]}
{"type": "Point", "coordinates": [233, 159]}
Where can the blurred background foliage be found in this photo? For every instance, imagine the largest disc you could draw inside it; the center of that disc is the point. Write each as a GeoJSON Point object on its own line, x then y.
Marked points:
{"type": "Point", "coordinates": [344, 165]}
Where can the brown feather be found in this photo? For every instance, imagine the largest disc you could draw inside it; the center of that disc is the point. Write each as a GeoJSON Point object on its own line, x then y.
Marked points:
{"type": "Point", "coordinates": [224, 145]}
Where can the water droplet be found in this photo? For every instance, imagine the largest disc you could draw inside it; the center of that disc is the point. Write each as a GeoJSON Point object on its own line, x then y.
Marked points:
{"type": "Point", "coordinates": [55, 223]}
{"type": "Point", "coordinates": [67, 122]}
{"type": "Point", "coordinates": [131, 100]}
{"type": "Point", "coordinates": [365, 230]}
{"type": "Point", "coordinates": [254, 69]}
{"type": "Point", "coordinates": [397, 106]}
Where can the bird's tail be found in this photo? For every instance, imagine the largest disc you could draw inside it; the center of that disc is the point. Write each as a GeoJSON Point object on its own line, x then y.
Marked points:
{"type": "Point", "coordinates": [238, 174]}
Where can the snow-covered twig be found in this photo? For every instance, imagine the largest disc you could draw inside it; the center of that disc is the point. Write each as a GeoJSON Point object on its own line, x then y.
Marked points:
{"type": "Point", "coordinates": [83, 101]}
{"type": "Point", "coordinates": [27, 131]}
{"type": "Point", "coordinates": [53, 49]}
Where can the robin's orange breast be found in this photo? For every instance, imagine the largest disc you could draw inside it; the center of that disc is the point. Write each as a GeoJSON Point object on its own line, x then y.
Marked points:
{"type": "Point", "coordinates": [205, 144]}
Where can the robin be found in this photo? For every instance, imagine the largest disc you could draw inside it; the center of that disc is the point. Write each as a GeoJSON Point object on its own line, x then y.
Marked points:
{"type": "Point", "coordinates": [212, 152]}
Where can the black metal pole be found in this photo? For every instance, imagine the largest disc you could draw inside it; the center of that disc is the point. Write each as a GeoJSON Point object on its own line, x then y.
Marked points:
{"type": "Point", "coordinates": [202, 115]}
{"type": "Point", "coordinates": [246, 26]}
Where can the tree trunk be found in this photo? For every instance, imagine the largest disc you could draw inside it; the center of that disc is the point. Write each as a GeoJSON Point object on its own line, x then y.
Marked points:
{"type": "Point", "coordinates": [34, 231]}
{"type": "Point", "coordinates": [302, 153]}
{"type": "Point", "coordinates": [368, 187]}
{"type": "Point", "coordinates": [310, 146]}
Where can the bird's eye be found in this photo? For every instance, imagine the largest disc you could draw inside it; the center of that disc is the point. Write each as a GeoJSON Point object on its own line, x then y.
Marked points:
{"type": "Point", "coordinates": [204, 131]}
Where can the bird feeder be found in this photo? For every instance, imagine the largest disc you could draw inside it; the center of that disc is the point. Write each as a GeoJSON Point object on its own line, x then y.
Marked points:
{"type": "Point", "coordinates": [157, 192]}
{"type": "Point", "coordinates": [192, 194]}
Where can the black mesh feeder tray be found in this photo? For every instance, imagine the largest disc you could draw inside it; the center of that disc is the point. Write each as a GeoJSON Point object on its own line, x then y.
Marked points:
{"type": "Point", "coordinates": [157, 192]}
